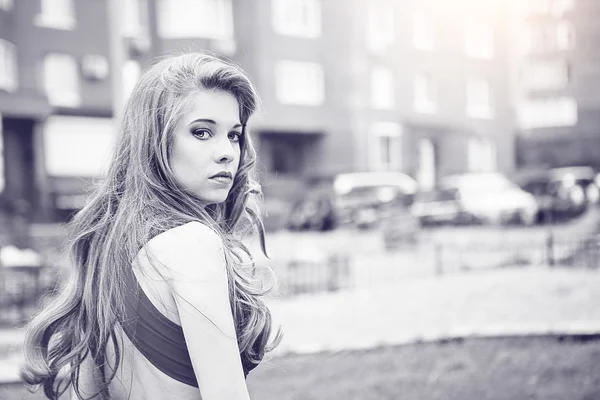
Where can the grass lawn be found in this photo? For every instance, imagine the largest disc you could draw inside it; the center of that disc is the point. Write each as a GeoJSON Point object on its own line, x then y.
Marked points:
{"type": "Point", "coordinates": [473, 369]}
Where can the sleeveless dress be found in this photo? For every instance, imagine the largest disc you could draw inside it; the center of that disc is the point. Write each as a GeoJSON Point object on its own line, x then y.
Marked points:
{"type": "Point", "coordinates": [160, 340]}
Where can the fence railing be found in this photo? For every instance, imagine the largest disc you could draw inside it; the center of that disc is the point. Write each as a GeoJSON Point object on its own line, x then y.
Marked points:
{"type": "Point", "coordinates": [22, 288]}
{"type": "Point", "coordinates": [352, 260]}
{"type": "Point", "coordinates": [338, 270]}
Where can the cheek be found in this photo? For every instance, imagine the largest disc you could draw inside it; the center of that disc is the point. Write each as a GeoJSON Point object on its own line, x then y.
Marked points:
{"type": "Point", "coordinates": [187, 162]}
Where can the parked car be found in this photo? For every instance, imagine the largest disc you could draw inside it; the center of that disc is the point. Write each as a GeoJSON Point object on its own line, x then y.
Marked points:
{"type": "Point", "coordinates": [439, 206]}
{"type": "Point", "coordinates": [478, 197]}
{"type": "Point", "coordinates": [561, 193]}
{"type": "Point", "coordinates": [313, 212]}
{"type": "Point", "coordinates": [349, 198]}
{"type": "Point", "coordinates": [579, 177]}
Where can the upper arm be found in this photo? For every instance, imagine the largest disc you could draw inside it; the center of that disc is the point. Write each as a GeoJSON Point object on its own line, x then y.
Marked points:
{"type": "Point", "coordinates": [194, 260]}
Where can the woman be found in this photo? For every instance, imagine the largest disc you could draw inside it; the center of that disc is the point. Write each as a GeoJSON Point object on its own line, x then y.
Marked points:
{"type": "Point", "coordinates": [160, 303]}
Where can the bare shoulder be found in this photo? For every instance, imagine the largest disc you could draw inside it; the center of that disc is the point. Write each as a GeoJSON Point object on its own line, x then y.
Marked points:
{"type": "Point", "coordinates": [191, 233]}
{"type": "Point", "coordinates": [183, 249]}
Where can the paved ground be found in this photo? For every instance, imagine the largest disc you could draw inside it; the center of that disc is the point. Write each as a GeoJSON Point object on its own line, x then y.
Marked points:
{"type": "Point", "coordinates": [536, 300]}
{"type": "Point", "coordinates": [10, 356]}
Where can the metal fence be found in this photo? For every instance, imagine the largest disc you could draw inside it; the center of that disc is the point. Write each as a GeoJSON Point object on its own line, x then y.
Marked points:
{"type": "Point", "coordinates": [22, 289]}
{"type": "Point", "coordinates": [352, 260]}
{"type": "Point", "coordinates": [339, 270]}
{"type": "Point", "coordinates": [25, 285]}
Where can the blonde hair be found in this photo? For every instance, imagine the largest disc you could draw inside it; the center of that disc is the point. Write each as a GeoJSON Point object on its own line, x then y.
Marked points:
{"type": "Point", "coordinates": [140, 198]}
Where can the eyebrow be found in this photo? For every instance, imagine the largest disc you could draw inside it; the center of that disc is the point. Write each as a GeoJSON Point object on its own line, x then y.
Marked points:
{"type": "Point", "coordinates": [210, 121]}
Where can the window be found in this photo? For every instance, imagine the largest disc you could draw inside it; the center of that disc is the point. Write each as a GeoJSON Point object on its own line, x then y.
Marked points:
{"type": "Point", "coordinates": [560, 7]}
{"type": "Point", "coordinates": [537, 6]}
{"type": "Point", "coordinates": [534, 39]}
{"type": "Point", "coordinates": [546, 75]}
{"type": "Point", "coordinates": [547, 112]}
{"type": "Point", "coordinates": [549, 38]}
{"type": "Point", "coordinates": [481, 155]}
{"type": "Point", "coordinates": [479, 40]}
{"type": "Point", "coordinates": [478, 97]}
{"type": "Point", "coordinates": [57, 14]}
{"type": "Point", "coordinates": [300, 82]}
{"type": "Point", "coordinates": [423, 31]}
{"type": "Point", "coordinates": [61, 80]}
{"type": "Point", "coordinates": [386, 150]}
{"type": "Point", "coordinates": [212, 19]}
{"type": "Point", "coordinates": [89, 154]}
{"type": "Point", "coordinates": [382, 88]}
{"type": "Point", "coordinates": [300, 18]}
{"type": "Point", "coordinates": [380, 26]}
{"type": "Point", "coordinates": [556, 8]}
{"type": "Point", "coordinates": [8, 66]}
{"type": "Point", "coordinates": [131, 74]}
{"type": "Point", "coordinates": [565, 36]}
{"type": "Point", "coordinates": [6, 4]}
{"type": "Point", "coordinates": [425, 100]}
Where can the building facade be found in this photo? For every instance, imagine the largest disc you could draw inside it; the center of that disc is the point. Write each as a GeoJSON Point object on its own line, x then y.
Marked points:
{"type": "Point", "coordinates": [346, 85]}
{"type": "Point", "coordinates": [558, 79]}
{"type": "Point", "coordinates": [432, 93]}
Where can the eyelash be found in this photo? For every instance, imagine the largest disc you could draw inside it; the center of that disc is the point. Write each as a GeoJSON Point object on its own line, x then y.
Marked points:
{"type": "Point", "coordinates": [238, 136]}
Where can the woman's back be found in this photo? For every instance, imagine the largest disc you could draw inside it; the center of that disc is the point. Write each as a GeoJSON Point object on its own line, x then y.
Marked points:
{"type": "Point", "coordinates": [137, 377]}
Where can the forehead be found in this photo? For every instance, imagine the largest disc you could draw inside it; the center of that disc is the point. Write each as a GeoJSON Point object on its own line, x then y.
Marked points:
{"type": "Point", "coordinates": [220, 106]}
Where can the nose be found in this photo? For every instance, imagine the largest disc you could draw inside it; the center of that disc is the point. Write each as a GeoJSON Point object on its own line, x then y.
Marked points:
{"type": "Point", "coordinates": [224, 152]}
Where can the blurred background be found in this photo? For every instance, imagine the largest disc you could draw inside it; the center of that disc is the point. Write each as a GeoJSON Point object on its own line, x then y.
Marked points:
{"type": "Point", "coordinates": [430, 172]}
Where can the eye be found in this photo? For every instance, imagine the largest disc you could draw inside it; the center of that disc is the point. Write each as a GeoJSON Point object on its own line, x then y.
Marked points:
{"type": "Point", "coordinates": [202, 133]}
{"type": "Point", "coordinates": [234, 136]}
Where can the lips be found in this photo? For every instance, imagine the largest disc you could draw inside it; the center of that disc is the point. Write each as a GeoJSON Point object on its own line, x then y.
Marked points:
{"type": "Point", "coordinates": [223, 174]}
{"type": "Point", "coordinates": [222, 178]}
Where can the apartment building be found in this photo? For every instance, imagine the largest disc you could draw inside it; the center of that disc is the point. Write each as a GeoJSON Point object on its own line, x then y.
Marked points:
{"type": "Point", "coordinates": [56, 100]}
{"type": "Point", "coordinates": [435, 99]}
{"type": "Point", "coordinates": [558, 79]}
{"type": "Point", "coordinates": [413, 86]}
{"type": "Point", "coordinates": [36, 58]}
{"type": "Point", "coordinates": [346, 85]}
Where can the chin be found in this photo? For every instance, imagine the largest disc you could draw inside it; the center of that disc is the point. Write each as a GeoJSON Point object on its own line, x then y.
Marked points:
{"type": "Point", "coordinates": [216, 198]}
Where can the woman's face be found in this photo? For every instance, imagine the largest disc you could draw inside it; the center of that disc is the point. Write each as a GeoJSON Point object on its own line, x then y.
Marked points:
{"type": "Point", "coordinates": [206, 145]}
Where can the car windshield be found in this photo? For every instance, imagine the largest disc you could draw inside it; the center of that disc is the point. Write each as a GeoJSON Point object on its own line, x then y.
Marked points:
{"type": "Point", "coordinates": [346, 183]}
{"type": "Point", "coordinates": [537, 187]}
{"type": "Point", "coordinates": [437, 195]}
{"type": "Point", "coordinates": [384, 193]}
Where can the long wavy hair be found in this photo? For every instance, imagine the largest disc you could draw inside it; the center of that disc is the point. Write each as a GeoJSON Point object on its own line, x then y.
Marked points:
{"type": "Point", "coordinates": [138, 199]}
